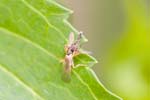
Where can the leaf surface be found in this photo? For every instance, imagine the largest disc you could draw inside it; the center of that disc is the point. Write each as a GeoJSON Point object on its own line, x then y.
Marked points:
{"type": "Point", "coordinates": [33, 34]}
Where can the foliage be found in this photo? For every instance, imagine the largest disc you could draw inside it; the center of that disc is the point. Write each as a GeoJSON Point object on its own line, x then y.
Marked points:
{"type": "Point", "coordinates": [32, 38]}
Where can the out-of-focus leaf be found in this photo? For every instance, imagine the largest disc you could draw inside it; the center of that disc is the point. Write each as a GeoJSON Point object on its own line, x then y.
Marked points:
{"type": "Point", "coordinates": [129, 58]}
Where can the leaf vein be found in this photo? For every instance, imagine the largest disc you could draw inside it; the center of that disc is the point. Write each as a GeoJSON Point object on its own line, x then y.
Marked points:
{"type": "Point", "coordinates": [45, 19]}
{"type": "Point", "coordinates": [85, 84]}
{"type": "Point", "coordinates": [29, 41]}
{"type": "Point", "coordinates": [21, 82]}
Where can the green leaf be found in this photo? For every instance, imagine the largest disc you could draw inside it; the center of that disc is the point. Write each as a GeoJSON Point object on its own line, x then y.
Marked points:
{"type": "Point", "coordinates": [33, 34]}
{"type": "Point", "coordinates": [128, 59]}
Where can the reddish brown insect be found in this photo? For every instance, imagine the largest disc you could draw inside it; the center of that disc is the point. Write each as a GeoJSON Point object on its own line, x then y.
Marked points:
{"type": "Point", "coordinates": [72, 49]}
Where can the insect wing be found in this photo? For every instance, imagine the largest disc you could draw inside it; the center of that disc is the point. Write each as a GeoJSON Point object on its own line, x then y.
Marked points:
{"type": "Point", "coordinates": [66, 73]}
{"type": "Point", "coordinates": [71, 38]}
{"type": "Point", "coordinates": [67, 68]}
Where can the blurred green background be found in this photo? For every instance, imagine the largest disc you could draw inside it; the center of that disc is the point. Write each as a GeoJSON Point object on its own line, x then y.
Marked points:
{"type": "Point", "coordinates": [119, 37]}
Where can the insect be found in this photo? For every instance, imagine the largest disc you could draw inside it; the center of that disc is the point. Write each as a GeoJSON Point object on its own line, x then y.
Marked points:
{"type": "Point", "coordinates": [72, 49]}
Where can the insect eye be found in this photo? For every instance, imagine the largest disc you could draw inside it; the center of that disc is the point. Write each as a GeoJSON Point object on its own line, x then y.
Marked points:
{"type": "Point", "coordinates": [72, 50]}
